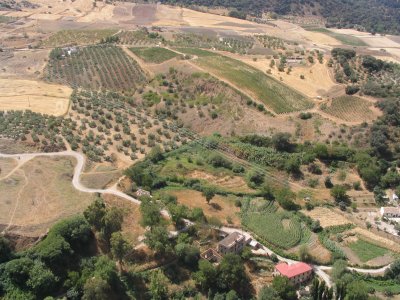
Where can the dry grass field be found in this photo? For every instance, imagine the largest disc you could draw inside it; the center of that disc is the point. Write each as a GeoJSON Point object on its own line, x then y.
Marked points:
{"type": "Point", "coordinates": [326, 217]}
{"type": "Point", "coordinates": [21, 94]}
{"type": "Point", "coordinates": [38, 194]}
{"type": "Point", "coordinates": [220, 207]}
{"type": "Point", "coordinates": [231, 183]}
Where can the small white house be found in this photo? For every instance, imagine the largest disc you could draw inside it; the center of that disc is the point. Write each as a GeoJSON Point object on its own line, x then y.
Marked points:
{"type": "Point", "coordinates": [390, 212]}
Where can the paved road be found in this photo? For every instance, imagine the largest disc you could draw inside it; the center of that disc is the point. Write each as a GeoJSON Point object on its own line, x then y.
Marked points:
{"type": "Point", "coordinates": [24, 157]}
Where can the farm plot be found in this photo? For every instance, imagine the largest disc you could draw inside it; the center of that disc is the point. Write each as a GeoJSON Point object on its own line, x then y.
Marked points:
{"type": "Point", "coordinates": [350, 109]}
{"type": "Point", "coordinates": [367, 251]}
{"type": "Point", "coordinates": [343, 38]}
{"type": "Point", "coordinates": [234, 44]}
{"type": "Point", "coordinates": [154, 55]}
{"type": "Point", "coordinates": [77, 37]}
{"type": "Point", "coordinates": [326, 217]}
{"type": "Point", "coordinates": [96, 67]}
{"type": "Point", "coordinates": [279, 229]}
{"type": "Point", "coordinates": [275, 95]}
{"type": "Point", "coordinates": [41, 97]}
{"type": "Point", "coordinates": [140, 37]}
{"type": "Point", "coordinates": [105, 126]}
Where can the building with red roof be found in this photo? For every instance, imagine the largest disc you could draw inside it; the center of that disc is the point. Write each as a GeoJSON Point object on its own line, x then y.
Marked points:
{"type": "Point", "coordinates": [297, 273]}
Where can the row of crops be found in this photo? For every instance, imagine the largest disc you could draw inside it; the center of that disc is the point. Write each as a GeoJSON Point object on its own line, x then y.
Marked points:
{"type": "Point", "coordinates": [350, 108]}
{"type": "Point", "coordinates": [96, 67]}
{"type": "Point", "coordinates": [271, 227]}
{"type": "Point", "coordinates": [230, 44]}
{"type": "Point", "coordinates": [99, 124]}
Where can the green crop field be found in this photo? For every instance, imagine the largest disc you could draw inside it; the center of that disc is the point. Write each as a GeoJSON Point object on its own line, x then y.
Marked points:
{"type": "Point", "coordinates": [277, 96]}
{"type": "Point", "coordinates": [280, 229]}
{"type": "Point", "coordinates": [154, 54]}
{"type": "Point", "coordinates": [367, 251]}
{"type": "Point", "coordinates": [343, 38]}
{"type": "Point", "coordinates": [350, 108]}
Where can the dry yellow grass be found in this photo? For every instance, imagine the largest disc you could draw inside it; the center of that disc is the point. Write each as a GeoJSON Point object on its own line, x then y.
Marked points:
{"type": "Point", "coordinates": [317, 79]}
{"type": "Point", "coordinates": [220, 207]}
{"type": "Point", "coordinates": [21, 94]}
{"type": "Point", "coordinates": [39, 194]}
{"type": "Point", "coordinates": [326, 217]}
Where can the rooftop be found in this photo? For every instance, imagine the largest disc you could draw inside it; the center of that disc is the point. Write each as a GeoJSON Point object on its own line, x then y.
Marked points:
{"type": "Point", "coordinates": [293, 270]}
{"type": "Point", "coordinates": [231, 239]}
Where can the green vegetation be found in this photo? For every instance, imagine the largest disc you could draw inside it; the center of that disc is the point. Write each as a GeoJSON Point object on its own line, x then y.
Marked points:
{"type": "Point", "coordinates": [154, 55]}
{"type": "Point", "coordinates": [286, 231]}
{"type": "Point", "coordinates": [95, 67]}
{"type": "Point", "coordinates": [77, 37]}
{"type": "Point", "coordinates": [368, 74]}
{"type": "Point", "coordinates": [343, 38]}
{"type": "Point", "coordinates": [274, 94]}
{"type": "Point", "coordinates": [367, 251]}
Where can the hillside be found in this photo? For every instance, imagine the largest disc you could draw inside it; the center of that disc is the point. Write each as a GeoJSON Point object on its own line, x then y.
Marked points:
{"type": "Point", "coordinates": [369, 15]}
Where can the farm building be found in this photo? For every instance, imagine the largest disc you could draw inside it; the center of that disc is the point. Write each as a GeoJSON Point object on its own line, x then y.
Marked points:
{"type": "Point", "coordinates": [297, 273]}
{"type": "Point", "coordinates": [142, 192]}
{"type": "Point", "coordinates": [390, 212]}
{"type": "Point", "coordinates": [211, 255]}
{"type": "Point", "coordinates": [233, 243]}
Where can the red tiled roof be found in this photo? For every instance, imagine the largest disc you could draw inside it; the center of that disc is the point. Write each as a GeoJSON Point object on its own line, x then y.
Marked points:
{"type": "Point", "coordinates": [293, 270]}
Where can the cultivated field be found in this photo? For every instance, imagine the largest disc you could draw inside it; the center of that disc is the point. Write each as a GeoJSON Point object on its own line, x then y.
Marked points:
{"type": "Point", "coordinates": [286, 233]}
{"type": "Point", "coordinates": [351, 109]}
{"type": "Point", "coordinates": [41, 97]}
{"type": "Point", "coordinates": [326, 217]}
{"type": "Point", "coordinates": [271, 92]}
{"type": "Point", "coordinates": [77, 37]}
{"type": "Point", "coordinates": [155, 55]}
{"type": "Point", "coordinates": [39, 194]}
{"type": "Point", "coordinates": [97, 67]}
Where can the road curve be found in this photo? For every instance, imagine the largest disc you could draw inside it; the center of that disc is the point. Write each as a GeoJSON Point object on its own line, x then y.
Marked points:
{"type": "Point", "coordinates": [77, 172]}
{"type": "Point", "coordinates": [24, 157]}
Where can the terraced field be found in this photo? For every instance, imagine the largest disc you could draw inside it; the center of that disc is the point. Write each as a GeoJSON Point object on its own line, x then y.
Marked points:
{"type": "Point", "coordinates": [96, 67]}
{"type": "Point", "coordinates": [275, 95]}
{"type": "Point", "coordinates": [350, 109]}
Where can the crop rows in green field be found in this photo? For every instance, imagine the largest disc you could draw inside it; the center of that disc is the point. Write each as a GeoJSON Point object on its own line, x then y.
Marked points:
{"type": "Point", "coordinates": [277, 96]}
{"type": "Point", "coordinates": [269, 226]}
{"type": "Point", "coordinates": [154, 54]}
